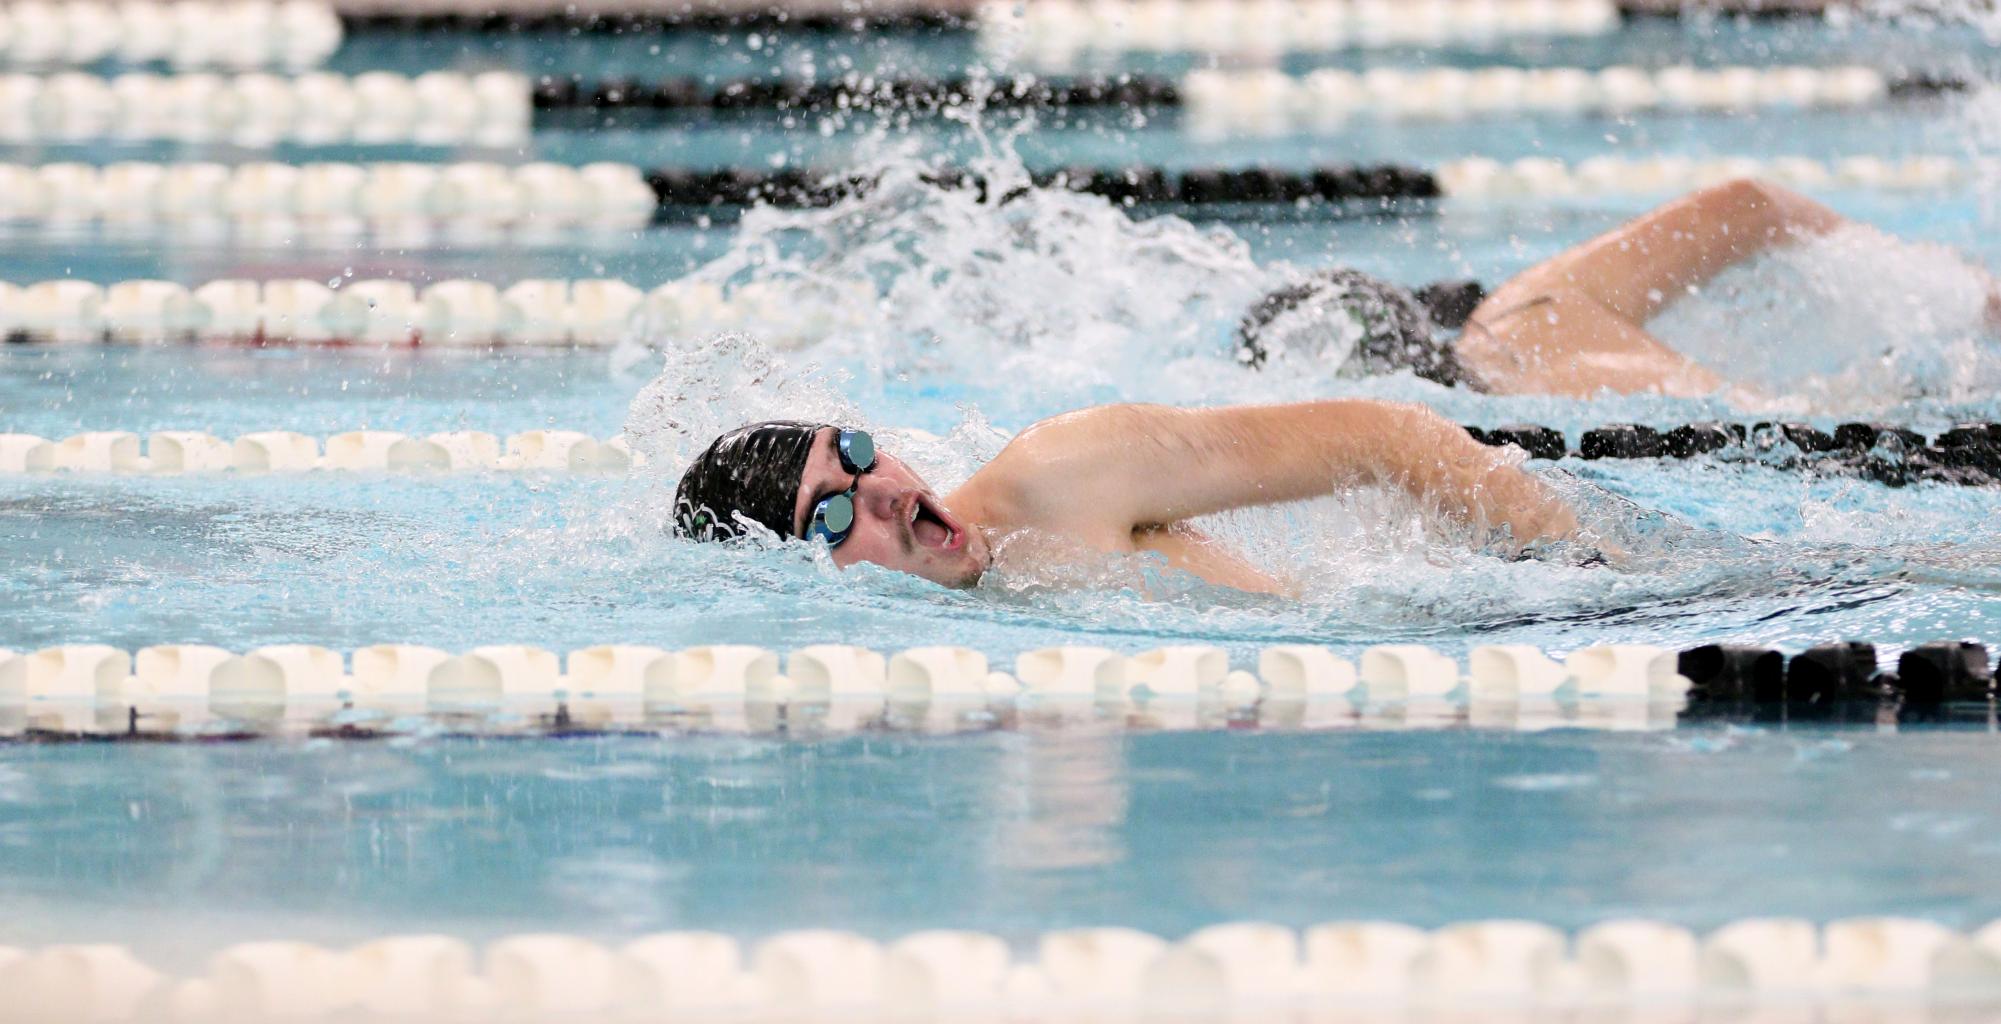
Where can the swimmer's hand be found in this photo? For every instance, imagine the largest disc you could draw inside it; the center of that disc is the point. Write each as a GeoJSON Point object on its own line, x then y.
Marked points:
{"type": "Point", "coordinates": [1483, 485]}
{"type": "Point", "coordinates": [1585, 553]}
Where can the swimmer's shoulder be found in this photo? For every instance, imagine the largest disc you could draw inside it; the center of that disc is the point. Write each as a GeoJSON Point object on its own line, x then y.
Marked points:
{"type": "Point", "coordinates": [1049, 475]}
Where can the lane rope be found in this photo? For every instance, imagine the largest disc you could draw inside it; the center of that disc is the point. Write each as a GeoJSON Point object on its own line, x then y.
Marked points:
{"type": "Point", "coordinates": [457, 313]}
{"type": "Point", "coordinates": [492, 108]}
{"type": "Point", "coordinates": [184, 33]}
{"type": "Point", "coordinates": [327, 198]}
{"type": "Point", "coordinates": [1967, 455]}
{"type": "Point", "coordinates": [1846, 965]}
{"type": "Point", "coordinates": [1330, 97]}
{"type": "Point", "coordinates": [642, 18]}
{"type": "Point", "coordinates": [1325, 97]}
{"type": "Point", "coordinates": [192, 690]}
{"type": "Point", "coordinates": [338, 200]}
{"type": "Point", "coordinates": [177, 452]}
{"type": "Point", "coordinates": [1169, 24]}
{"type": "Point", "coordinates": [1057, 32]}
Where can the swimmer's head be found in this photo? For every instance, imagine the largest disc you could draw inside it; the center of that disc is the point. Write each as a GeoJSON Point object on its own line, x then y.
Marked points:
{"type": "Point", "coordinates": [1358, 324]}
{"type": "Point", "coordinates": [775, 474]}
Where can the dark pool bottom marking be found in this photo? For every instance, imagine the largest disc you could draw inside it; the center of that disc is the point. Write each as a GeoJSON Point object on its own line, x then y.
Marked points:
{"type": "Point", "coordinates": [1968, 454]}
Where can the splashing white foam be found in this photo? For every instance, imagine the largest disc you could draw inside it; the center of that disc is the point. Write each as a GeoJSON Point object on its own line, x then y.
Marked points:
{"type": "Point", "coordinates": [1059, 294]}
{"type": "Point", "coordinates": [1855, 320]}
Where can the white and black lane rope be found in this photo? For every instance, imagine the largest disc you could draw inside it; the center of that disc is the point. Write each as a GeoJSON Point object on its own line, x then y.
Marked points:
{"type": "Point", "coordinates": [1324, 95]}
{"type": "Point", "coordinates": [1967, 455]}
{"type": "Point", "coordinates": [334, 196]}
{"type": "Point", "coordinates": [81, 691]}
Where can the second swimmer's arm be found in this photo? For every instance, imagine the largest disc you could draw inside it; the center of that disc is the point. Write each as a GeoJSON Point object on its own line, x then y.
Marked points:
{"type": "Point", "coordinates": [1135, 466]}
{"type": "Point", "coordinates": [1643, 266]}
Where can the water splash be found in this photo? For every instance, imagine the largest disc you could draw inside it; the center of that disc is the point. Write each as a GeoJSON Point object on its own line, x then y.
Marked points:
{"type": "Point", "coordinates": [1853, 321]}
{"type": "Point", "coordinates": [1060, 295]}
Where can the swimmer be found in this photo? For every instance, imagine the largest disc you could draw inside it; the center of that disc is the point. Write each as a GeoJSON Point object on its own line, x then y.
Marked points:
{"type": "Point", "coordinates": [1128, 478]}
{"type": "Point", "coordinates": [1573, 326]}
{"type": "Point", "coordinates": [1115, 479]}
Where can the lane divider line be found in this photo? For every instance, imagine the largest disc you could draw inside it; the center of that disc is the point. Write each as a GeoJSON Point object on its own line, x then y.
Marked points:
{"type": "Point", "coordinates": [1376, 24]}
{"type": "Point", "coordinates": [327, 197]}
{"type": "Point", "coordinates": [455, 313]}
{"type": "Point", "coordinates": [1323, 97]}
{"type": "Point", "coordinates": [83, 690]}
{"type": "Point", "coordinates": [436, 108]}
{"type": "Point", "coordinates": [186, 33]}
{"type": "Point", "coordinates": [341, 199]}
{"type": "Point", "coordinates": [1256, 967]}
{"type": "Point", "coordinates": [1967, 454]}
{"type": "Point", "coordinates": [639, 17]}
{"type": "Point", "coordinates": [1058, 32]}
{"type": "Point", "coordinates": [178, 452]}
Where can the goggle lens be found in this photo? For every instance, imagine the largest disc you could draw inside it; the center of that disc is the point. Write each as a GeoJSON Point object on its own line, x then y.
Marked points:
{"type": "Point", "coordinates": [857, 451]}
{"type": "Point", "coordinates": [834, 516]}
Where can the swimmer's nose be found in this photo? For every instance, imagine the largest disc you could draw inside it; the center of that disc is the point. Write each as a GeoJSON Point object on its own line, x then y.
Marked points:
{"type": "Point", "coordinates": [877, 497]}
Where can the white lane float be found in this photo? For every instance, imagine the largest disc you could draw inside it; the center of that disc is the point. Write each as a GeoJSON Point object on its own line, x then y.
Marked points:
{"type": "Point", "coordinates": [437, 108]}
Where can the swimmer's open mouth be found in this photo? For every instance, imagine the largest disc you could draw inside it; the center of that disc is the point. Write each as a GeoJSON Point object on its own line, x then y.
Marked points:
{"type": "Point", "coordinates": [933, 527]}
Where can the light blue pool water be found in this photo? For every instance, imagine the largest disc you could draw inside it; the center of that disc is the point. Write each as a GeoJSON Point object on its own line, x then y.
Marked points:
{"type": "Point", "coordinates": [183, 849]}
{"type": "Point", "coordinates": [991, 318]}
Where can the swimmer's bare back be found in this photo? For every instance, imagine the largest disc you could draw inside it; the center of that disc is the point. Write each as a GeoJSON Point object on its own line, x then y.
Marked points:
{"type": "Point", "coordinates": [1576, 324]}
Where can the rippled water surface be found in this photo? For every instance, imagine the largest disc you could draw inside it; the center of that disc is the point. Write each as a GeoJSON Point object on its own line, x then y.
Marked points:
{"type": "Point", "coordinates": [181, 849]}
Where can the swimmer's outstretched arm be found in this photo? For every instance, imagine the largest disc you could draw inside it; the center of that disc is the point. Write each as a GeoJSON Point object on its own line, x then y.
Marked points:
{"type": "Point", "coordinates": [1642, 266]}
{"type": "Point", "coordinates": [1576, 323]}
{"type": "Point", "coordinates": [1119, 468]}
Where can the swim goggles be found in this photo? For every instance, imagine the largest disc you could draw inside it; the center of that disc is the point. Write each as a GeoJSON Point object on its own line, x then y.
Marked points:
{"type": "Point", "coordinates": [834, 515]}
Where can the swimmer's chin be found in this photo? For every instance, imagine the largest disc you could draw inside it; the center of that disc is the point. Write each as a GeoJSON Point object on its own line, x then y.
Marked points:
{"type": "Point", "coordinates": [978, 573]}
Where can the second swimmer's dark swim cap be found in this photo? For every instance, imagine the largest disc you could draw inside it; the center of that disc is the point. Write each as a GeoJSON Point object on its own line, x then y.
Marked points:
{"type": "Point", "coordinates": [1391, 329]}
{"type": "Point", "coordinates": [752, 472]}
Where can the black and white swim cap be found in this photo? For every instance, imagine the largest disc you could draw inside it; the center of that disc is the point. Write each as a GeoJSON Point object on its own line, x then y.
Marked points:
{"type": "Point", "coordinates": [752, 472]}
{"type": "Point", "coordinates": [1361, 325]}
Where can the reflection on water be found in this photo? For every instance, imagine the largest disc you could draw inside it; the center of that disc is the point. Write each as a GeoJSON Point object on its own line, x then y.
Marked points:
{"type": "Point", "coordinates": [176, 850]}
{"type": "Point", "coordinates": [1059, 800]}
